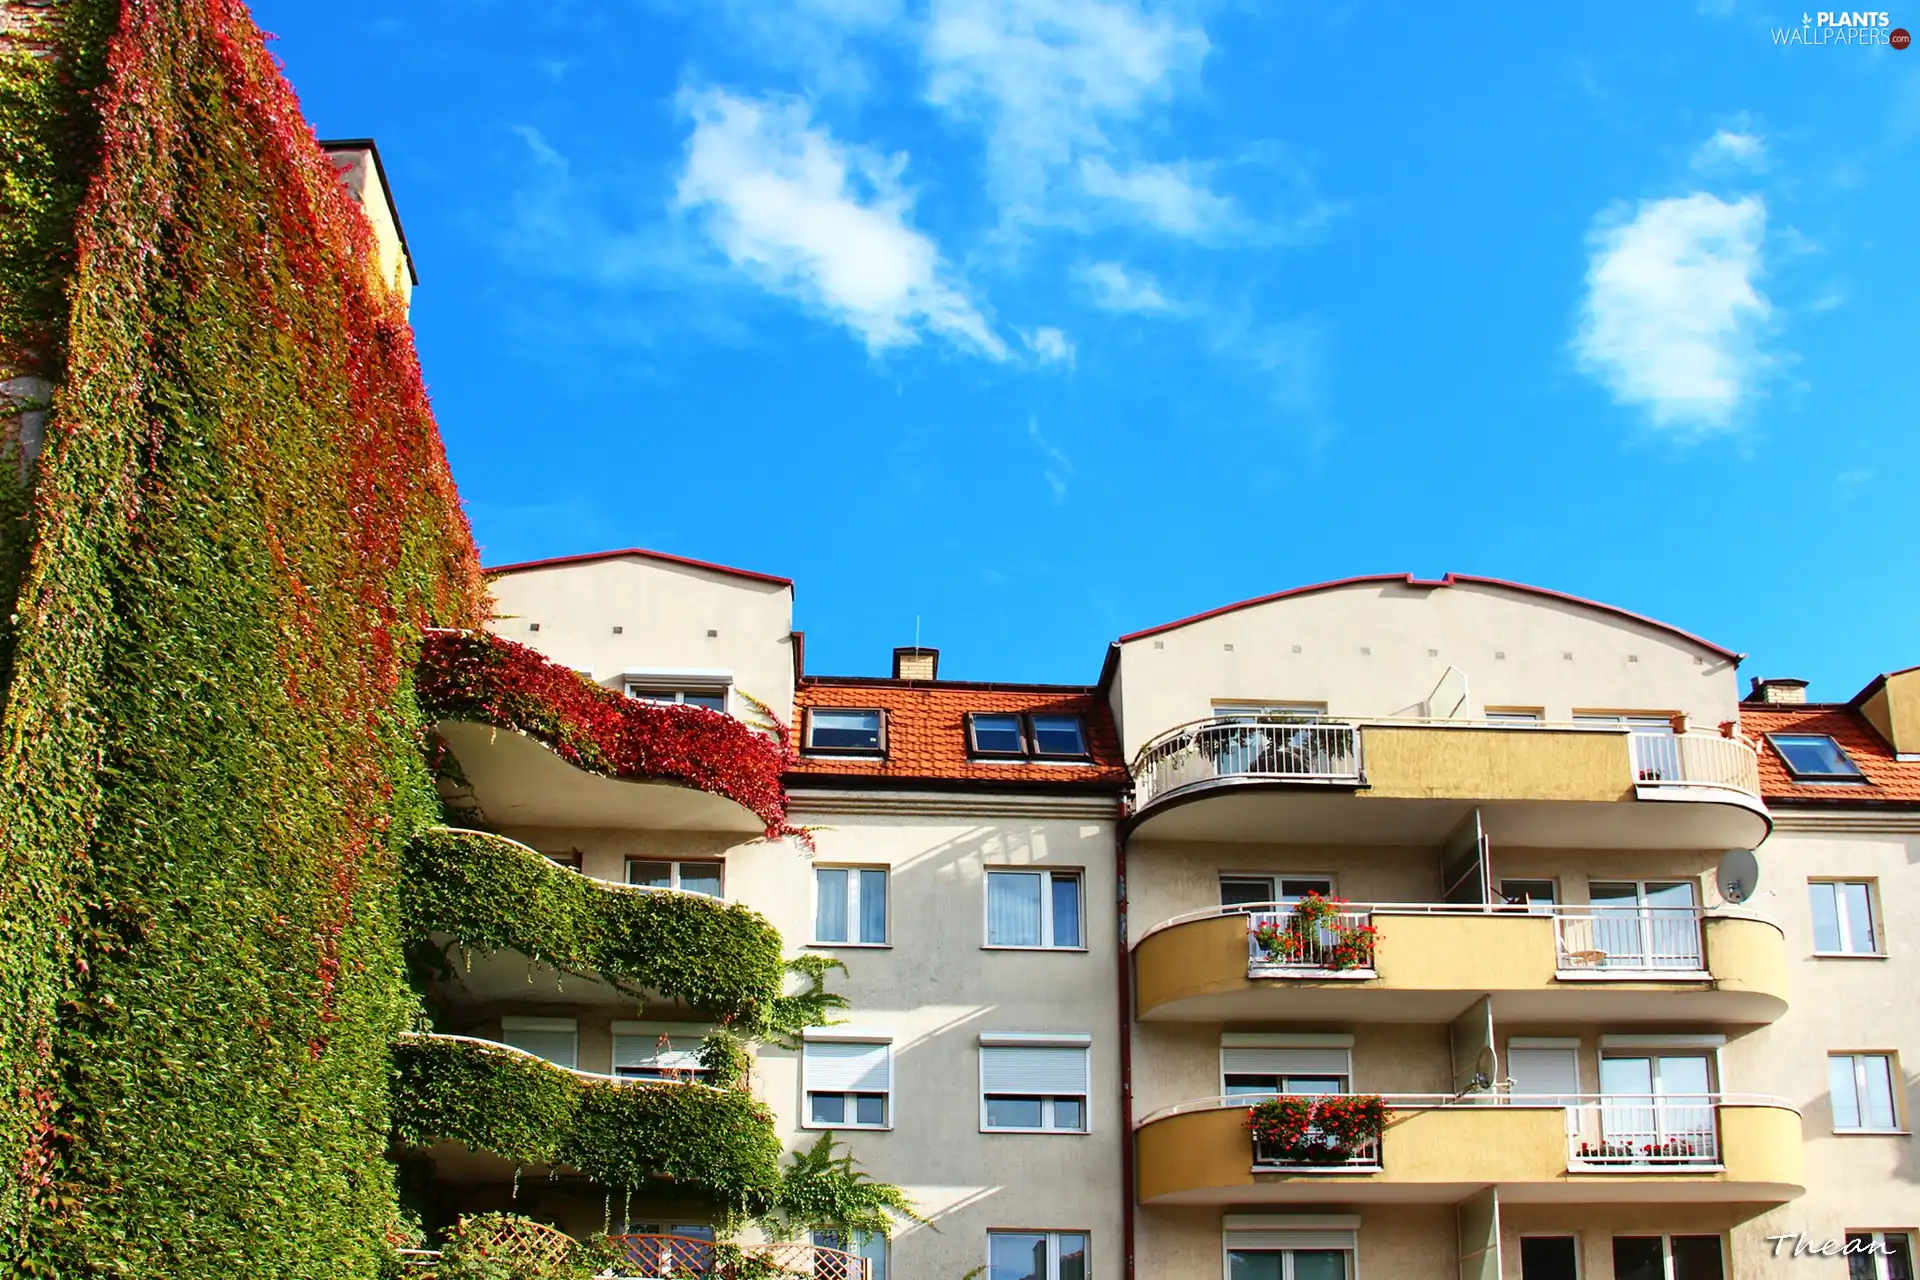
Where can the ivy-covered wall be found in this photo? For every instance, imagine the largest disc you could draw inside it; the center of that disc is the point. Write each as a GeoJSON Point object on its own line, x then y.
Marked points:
{"type": "Point", "coordinates": [210, 758]}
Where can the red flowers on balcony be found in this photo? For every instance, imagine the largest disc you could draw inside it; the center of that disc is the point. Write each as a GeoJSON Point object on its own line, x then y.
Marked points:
{"type": "Point", "coordinates": [1317, 933]}
{"type": "Point", "coordinates": [1336, 1128]}
{"type": "Point", "coordinates": [482, 678]}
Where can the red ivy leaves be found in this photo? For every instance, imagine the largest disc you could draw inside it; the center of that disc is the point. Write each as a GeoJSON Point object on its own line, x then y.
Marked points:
{"type": "Point", "coordinates": [475, 676]}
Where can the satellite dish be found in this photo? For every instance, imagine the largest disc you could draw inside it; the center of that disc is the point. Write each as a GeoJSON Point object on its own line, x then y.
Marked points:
{"type": "Point", "coordinates": [1739, 875]}
{"type": "Point", "coordinates": [1483, 1067]}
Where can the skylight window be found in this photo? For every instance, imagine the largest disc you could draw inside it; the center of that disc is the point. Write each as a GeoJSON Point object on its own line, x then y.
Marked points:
{"type": "Point", "coordinates": [1038, 736]}
{"type": "Point", "coordinates": [1814, 757]}
{"type": "Point", "coordinates": [845, 730]}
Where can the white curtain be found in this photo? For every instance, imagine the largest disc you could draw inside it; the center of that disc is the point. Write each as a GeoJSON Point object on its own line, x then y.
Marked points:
{"type": "Point", "coordinates": [1013, 909]}
{"type": "Point", "coordinates": [830, 915]}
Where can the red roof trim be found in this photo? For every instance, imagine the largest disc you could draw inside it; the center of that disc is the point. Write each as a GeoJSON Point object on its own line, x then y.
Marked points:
{"type": "Point", "coordinates": [643, 553]}
{"type": "Point", "coordinates": [1452, 579]}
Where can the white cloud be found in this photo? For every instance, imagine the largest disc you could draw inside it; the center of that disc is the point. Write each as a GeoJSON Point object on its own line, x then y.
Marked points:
{"type": "Point", "coordinates": [811, 218]}
{"type": "Point", "coordinates": [1049, 80]}
{"type": "Point", "coordinates": [1049, 345]}
{"type": "Point", "coordinates": [1173, 197]}
{"type": "Point", "coordinates": [1729, 149]}
{"type": "Point", "coordinates": [1673, 309]}
{"type": "Point", "coordinates": [1112, 287]}
{"type": "Point", "coordinates": [1057, 465]}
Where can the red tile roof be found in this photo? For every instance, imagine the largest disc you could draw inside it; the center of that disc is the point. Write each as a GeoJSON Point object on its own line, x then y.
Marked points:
{"type": "Point", "coordinates": [927, 734]}
{"type": "Point", "coordinates": [1889, 781]}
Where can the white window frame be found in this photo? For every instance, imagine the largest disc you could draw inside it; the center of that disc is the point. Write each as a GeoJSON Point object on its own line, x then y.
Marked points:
{"type": "Point", "coordinates": [845, 1035]}
{"type": "Point", "coordinates": [1666, 1247]}
{"type": "Point", "coordinates": [516, 1022]}
{"type": "Point", "coordinates": [867, 753]}
{"type": "Point", "coordinates": [652, 1031]}
{"type": "Point", "coordinates": [1275, 880]}
{"type": "Point", "coordinates": [673, 876]}
{"type": "Point", "coordinates": [1305, 1226]}
{"type": "Point", "coordinates": [1877, 1240]}
{"type": "Point", "coordinates": [1053, 1247]}
{"type": "Point", "coordinates": [1534, 716]}
{"type": "Point", "coordinates": [1039, 1040]}
{"type": "Point", "coordinates": [1842, 920]}
{"type": "Point", "coordinates": [1892, 1060]}
{"type": "Point", "coordinates": [1325, 1041]}
{"type": "Point", "coordinates": [853, 903]}
{"type": "Point", "coordinates": [1046, 875]}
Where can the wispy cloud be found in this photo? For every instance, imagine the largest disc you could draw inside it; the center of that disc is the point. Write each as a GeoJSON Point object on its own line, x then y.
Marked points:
{"type": "Point", "coordinates": [1058, 467]}
{"type": "Point", "coordinates": [1113, 287]}
{"type": "Point", "coordinates": [809, 217]}
{"type": "Point", "coordinates": [1049, 345]}
{"type": "Point", "coordinates": [1731, 150]}
{"type": "Point", "coordinates": [1051, 82]}
{"type": "Point", "coordinates": [1172, 197]}
{"type": "Point", "coordinates": [1673, 310]}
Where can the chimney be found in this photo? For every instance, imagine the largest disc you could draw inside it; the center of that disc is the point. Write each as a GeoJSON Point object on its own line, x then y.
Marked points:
{"type": "Point", "coordinates": [357, 161]}
{"type": "Point", "coordinates": [1778, 692]}
{"type": "Point", "coordinates": [916, 664]}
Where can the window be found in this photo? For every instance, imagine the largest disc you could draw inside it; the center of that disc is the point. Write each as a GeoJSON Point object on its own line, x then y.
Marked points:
{"type": "Point", "coordinates": [1037, 1255]}
{"type": "Point", "coordinates": [1289, 1247]}
{"type": "Point", "coordinates": [1655, 1107]}
{"type": "Point", "coordinates": [1034, 909]}
{"type": "Point", "coordinates": [1843, 918]}
{"type": "Point", "coordinates": [1879, 1255]}
{"type": "Point", "coordinates": [1651, 741]}
{"type": "Point", "coordinates": [1261, 891]}
{"type": "Point", "coordinates": [846, 732]}
{"type": "Point", "coordinates": [1255, 1064]}
{"type": "Point", "coordinates": [1535, 895]}
{"type": "Point", "coordinates": [850, 906]}
{"type": "Point", "coordinates": [688, 877]}
{"type": "Point", "coordinates": [1040, 736]}
{"type": "Point", "coordinates": [1252, 712]}
{"type": "Point", "coordinates": [1640, 924]}
{"type": "Point", "coordinates": [1667, 1258]}
{"type": "Point", "coordinates": [865, 1244]}
{"type": "Point", "coordinates": [848, 1082]}
{"type": "Point", "coordinates": [1815, 757]}
{"type": "Point", "coordinates": [1034, 1083]}
{"type": "Point", "coordinates": [1862, 1088]}
{"type": "Point", "coordinates": [1549, 1258]}
{"type": "Point", "coordinates": [658, 1051]}
{"type": "Point", "coordinates": [712, 698]}
{"type": "Point", "coordinates": [555, 1039]}
{"type": "Point", "coordinates": [1519, 716]}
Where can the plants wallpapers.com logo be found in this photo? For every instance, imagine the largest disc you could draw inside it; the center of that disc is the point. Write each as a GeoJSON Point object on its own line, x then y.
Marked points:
{"type": "Point", "coordinates": [1845, 28]}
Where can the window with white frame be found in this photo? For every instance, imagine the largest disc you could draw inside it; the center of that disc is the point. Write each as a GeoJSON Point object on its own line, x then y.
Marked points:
{"type": "Point", "coordinates": [847, 731]}
{"type": "Point", "coordinates": [1290, 1246]}
{"type": "Point", "coordinates": [1515, 715]}
{"type": "Point", "coordinates": [1879, 1255]}
{"type": "Point", "coordinates": [1862, 1089]}
{"type": "Point", "coordinates": [1034, 909]}
{"type": "Point", "coordinates": [687, 875]}
{"type": "Point", "coordinates": [1668, 1258]}
{"type": "Point", "coordinates": [555, 1039]}
{"type": "Point", "coordinates": [1844, 921]}
{"type": "Point", "coordinates": [1241, 889]}
{"type": "Point", "coordinates": [868, 1245]}
{"type": "Point", "coordinates": [850, 906]}
{"type": "Point", "coordinates": [1261, 1064]}
{"type": "Point", "coordinates": [1034, 1083]}
{"type": "Point", "coordinates": [658, 1051]}
{"type": "Point", "coordinates": [848, 1079]}
{"type": "Point", "coordinates": [712, 697]}
{"type": "Point", "coordinates": [1037, 1255]}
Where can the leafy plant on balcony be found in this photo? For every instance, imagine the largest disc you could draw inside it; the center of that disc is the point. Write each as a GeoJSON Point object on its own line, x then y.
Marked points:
{"type": "Point", "coordinates": [1624, 1149]}
{"type": "Point", "coordinates": [479, 677]}
{"type": "Point", "coordinates": [1316, 1128]}
{"type": "Point", "coordinates": [1312, 936]}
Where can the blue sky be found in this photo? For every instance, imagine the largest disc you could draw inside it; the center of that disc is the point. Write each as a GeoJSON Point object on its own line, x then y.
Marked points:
{"type": "Point", "coordinates": [1046, 320]}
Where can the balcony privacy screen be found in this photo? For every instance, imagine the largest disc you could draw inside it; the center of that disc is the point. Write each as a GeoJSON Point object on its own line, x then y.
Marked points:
{"type": "Point", "coordinates": [832, 1066]}
{"type": "Point", "coordinates": [1286, 1062]}
{"type": "Point", "coordinates": [641, 1050]}
{"type": "Point", "coordinates": [1033, 1069]}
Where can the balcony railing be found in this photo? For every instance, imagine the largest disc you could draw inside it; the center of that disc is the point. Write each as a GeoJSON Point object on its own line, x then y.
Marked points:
{"type": "Point", "coordinates": [1270, 748]}
{"type": "Point", "coordinates": [1314, 952]}
{"type": "Point", "coordinates": [1628, 940]}
{"type": "Point", "coordinates": [668, 1257]}
{"type": "Point", "coordinates": [1694, 760]}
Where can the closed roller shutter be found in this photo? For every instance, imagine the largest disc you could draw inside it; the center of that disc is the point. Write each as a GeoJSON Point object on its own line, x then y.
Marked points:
{"type": "Point", "coordinates": [1287, 1062]}
{"type": "Point", "coordinates": [848, 1067]}
{"type": "Point", "coordinates": [1289, 1239]}
{"type": "Point", "coordinates": [1033, 1069]}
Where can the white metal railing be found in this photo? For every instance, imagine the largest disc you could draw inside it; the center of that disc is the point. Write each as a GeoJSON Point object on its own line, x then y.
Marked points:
{"type": "Point", "coordinates": [1625, 1132]}
{"type": "Point", "coordinates": [1636, 939]}
{"type": "Point", "coordinates": [1303, 952]}
{"type": "Point", "coordinates": [1277, 748]}
{"type": "Point", "coordinates": [1694, 760]}
{"type": "Point", "coordinates": [1365, 1155]}
{"type": "Point", "coordinates": [596, 1077]}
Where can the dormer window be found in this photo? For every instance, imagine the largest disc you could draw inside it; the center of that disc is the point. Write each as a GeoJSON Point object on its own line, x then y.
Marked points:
{"type": "Point", "coordinates": [1815, 757]}
{"type": "Point", "coordinates": [1038, 735]}
{"type": "Point", "coordinates": [846, 731]}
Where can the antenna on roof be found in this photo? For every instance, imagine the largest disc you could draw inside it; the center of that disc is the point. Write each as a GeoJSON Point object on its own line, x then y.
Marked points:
{"type": "Point", "coordinates": [916, 631]}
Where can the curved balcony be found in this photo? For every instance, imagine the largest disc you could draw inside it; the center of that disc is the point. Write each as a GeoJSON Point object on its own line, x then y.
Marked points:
{"type": "Point", "coordinates": [644, 1257]}
{"type": "Point", "coordinates": [1384, 782]}
{"type": "Point", "coordinates": [529, 925]}
{"type": "Point", "coordinates": [482, 1109]}
{"type": "Point", "coordinates": [1588, 1150]}
{"type": "Point", "coordinates": [1429, 962]}
{"type": "Point", "coordinates": [538, 745]}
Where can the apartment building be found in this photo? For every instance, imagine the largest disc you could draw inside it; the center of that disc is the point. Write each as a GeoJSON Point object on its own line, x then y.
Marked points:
{"type": "Point", "coordinates": [1458, 846]}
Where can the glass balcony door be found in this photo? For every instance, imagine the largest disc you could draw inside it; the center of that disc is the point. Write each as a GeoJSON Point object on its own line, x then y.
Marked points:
{"type": "Point", "coordinates": [1657, 1108]}
{"type": "Point", "coordinates": [1646, 924]}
